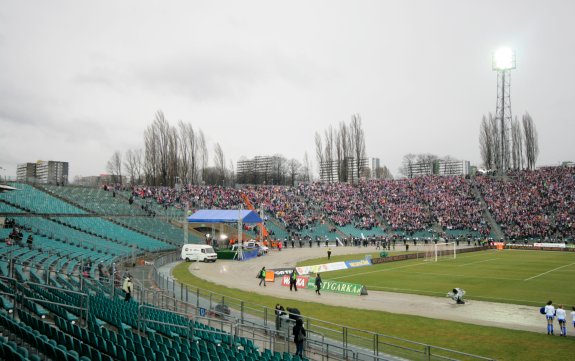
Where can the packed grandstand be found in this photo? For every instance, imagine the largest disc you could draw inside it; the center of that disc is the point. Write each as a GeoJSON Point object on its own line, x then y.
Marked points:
{"type": "Point", "coordinates": [64, 249]}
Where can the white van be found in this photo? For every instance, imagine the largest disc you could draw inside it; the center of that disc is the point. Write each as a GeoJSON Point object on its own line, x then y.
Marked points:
{"type": "Point", "coordinates": [198, 252]}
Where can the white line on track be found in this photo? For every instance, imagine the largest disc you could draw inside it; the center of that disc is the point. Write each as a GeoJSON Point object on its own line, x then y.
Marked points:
{"type": "Point", "coordinates": [487, 260]}
{"type": "Point", "coordinates": [544, 273]}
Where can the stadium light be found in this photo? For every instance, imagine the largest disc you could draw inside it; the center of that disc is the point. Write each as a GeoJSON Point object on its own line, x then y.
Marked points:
{"type": "Point", "coordinates": [503, 59]}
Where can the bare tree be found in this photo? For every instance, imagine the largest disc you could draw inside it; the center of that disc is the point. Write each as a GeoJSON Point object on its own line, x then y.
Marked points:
{"type": "Point", "coordinates": [294, 170]}
{"type": "Point", "coordinates": [151, 156]}
{"type": "Point", "coordinates": [516, 144]}
{"type": "Point", "coordinates": [131, 164]}
{"type": "Point", "coordinates": [486, 144]}
{"type": "Point", "coordinates": [138, 164]}
{"type": "Point", "coordinates": [202, 154]}
{"type": "Point", "coordinates": [329, 152]}
{"type": "Point", "coordinates": [406, 163]}
{"type": "Point", "coordinates": [157, 148]}
{"type": "Point", "coordinates": [358, 142]}
{"type": "Point", "coordinates": [343, 151]}
{"type": "Point", "coordinates": [495, 142]}
{"type": "Point", "coordinates": [383, 173]}
{"type": "Point", "coordinates": [173, 156]}
{"type": "Point", "coordinates": [319, 153]}
{"type": "Point", "coordinates": [531, 142]}
{"type": "Point", "coordinates": [190, 149]}
{"type": "Point", "coordinates": [306, 171]}
{"type": "Point", "coordinates": [114, 166]}
{"type": "Point", "coordinates": [220, 163]}
{"type": "Point", "coordinates": [184, 154]}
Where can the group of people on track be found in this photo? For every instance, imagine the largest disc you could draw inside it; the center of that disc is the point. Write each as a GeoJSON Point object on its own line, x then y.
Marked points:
{"type": "Point", "coordinates": [551, 312]}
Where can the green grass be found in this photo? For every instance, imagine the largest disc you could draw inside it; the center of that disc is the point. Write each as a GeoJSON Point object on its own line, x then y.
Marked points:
{"type": "Point", "coordinates": [498, 343]}
{"type": "Point", "coordinates": [345, 257]}
{"type": "Point", "coordinates": [509, 276]}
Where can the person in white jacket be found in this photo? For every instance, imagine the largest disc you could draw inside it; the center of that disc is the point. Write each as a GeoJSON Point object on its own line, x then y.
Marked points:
{"type": "Point", "coordinates": [549, 315]}
{"type": "Point", "coordinates": [128, 288]}
{"type": "Point", "coordinates": [562, 319]}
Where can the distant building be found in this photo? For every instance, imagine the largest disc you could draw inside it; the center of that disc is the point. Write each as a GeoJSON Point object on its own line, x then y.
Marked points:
{"type": "Point", "coordinates": [348, 170]}
{"type": "Point", "coordinates": [26, 172]}
{"type": "Point", "coordinates": [439, 167]}
{"type": "Point", "coordinates": [259, 170]}
{"type": "Point", "coordinates": [375, 165]}
{"type": "Point", "coordinates": [98, 180]}
{"type": "Point", "coordinates": [46, 172]}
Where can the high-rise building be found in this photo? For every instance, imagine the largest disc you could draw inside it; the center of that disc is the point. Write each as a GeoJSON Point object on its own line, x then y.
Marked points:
{"type": "Point", "coordinates": [47, 172]}
{"type": "Point", "coordinates": [439, 167]}
{"type": "Point", "coordinates": [26, 172]}
{"type": "Point", "coordinates": [345, 171]}
{"type": "Point", "coordinates": [375, 165]}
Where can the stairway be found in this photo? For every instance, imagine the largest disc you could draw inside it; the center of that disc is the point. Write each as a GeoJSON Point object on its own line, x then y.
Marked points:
{"type": "Point", "coordinates": [495, 228]}
{"type": "Point", "coordinates": [250, 206]}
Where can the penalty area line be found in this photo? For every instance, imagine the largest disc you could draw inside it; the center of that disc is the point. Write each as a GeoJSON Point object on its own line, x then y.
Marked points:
{"type": "Point", "coordinates": [544, 273]}
{"type": "Point", "coordinates": [487, 260]}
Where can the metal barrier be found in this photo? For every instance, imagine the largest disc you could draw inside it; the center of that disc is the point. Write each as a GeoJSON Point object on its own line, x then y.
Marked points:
{"type": "Point", "coordinates": [83, 310]}
{"type": "Point", "coordinates": [12, 295]}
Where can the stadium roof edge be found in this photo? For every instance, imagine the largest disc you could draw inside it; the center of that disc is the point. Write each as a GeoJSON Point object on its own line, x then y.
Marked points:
{"type": "Point", "coordinates": [224, 216]}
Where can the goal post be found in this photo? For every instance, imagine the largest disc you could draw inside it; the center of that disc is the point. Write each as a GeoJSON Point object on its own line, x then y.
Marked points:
{"type": "Point", "coordinates": [436, 250]}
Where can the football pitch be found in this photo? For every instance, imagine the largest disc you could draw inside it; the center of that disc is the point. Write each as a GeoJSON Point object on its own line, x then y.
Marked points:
{"type": "Point", "coordinates": [508, 276]}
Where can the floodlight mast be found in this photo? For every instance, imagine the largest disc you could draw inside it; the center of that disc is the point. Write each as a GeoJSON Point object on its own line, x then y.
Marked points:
{"type": "Point", "coordinates": [503, 62]}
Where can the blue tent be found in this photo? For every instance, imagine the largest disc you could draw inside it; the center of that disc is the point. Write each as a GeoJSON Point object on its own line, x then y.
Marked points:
{"type": "Point", "coordinates": [224, 216]}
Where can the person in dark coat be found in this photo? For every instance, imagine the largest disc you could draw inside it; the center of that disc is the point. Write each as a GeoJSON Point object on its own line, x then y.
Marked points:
{"type": "Point", "coordinates": [299, 336]}
{"type": "Point", "coordinates": [318, 283]}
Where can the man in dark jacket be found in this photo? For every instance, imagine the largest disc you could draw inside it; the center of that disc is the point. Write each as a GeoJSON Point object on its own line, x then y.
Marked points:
{"type": "Point", "coordinates": [318, 283]}
{"type": "Point", "coordinates": [299, 336]}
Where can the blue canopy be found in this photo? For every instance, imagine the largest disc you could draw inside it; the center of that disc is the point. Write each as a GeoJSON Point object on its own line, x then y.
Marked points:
{"type": "Point", "coordinates": [224, 216]}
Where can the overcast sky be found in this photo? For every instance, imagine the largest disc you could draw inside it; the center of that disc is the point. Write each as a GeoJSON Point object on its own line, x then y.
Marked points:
{"type": "Point", "coordinates": [79, 79]}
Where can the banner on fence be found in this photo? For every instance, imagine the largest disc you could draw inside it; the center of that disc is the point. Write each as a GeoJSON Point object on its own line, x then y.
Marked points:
{"type": "Point", "coordinates": [339, 287]}
{"type": "Point", "coordinates": [549, 245]}
{"type": "Point", "coordinates": [320, 268]}
{"type": "Point", "coordinates": [280, 272]}
{"type": "Point", "coordinates": [359, 263]}
{"type": "Point", "coordinates": [301, 281]}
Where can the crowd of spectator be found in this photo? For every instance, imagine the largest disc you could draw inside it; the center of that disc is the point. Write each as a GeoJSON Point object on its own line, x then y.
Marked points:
{"type": "Point", "coordinates": [532, 204]}
{"type": "Point", "coordinates": [525, 204]}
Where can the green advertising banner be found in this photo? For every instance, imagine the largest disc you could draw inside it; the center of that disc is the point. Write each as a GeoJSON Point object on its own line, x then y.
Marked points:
{"type": "Point", "coordinates": [339, 287]}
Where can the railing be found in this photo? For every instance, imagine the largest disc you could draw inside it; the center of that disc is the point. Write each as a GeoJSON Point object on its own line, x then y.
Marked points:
{"type": "Point", "coordinates": [328, 339]}
{"type": "Point", "coordinates": [85, 311]}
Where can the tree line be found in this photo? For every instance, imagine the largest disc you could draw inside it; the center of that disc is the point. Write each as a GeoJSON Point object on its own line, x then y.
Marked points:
{"type": "Point", "coordinates": [520, 151]}
{"type": "Point", "coordinates": [179, 154]}
{"type": "Point", "coordinates": [341, 153]}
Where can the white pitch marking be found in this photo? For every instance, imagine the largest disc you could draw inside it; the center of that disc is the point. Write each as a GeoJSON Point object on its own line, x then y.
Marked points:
{"type": "Point", "coordinates": [544, 273]}
{"type": "Point", "coordinates": [487, 260]}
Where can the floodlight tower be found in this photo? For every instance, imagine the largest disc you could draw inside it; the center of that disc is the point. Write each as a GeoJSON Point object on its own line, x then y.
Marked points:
{"type": "Point", "coordinates": [503, 62]}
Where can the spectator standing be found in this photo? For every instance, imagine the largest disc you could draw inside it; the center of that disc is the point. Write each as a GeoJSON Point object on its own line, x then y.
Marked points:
{"type": "Point", "coordinates": [293, 280]}
{"type": "Point", "coordinates": [279, 312]}
{"type": "Point", "coordinates": [29, 241]}
{"type": "Point", "coordinates": [318, 283]}
{"type": "Point", "coordinates": [299, 336]}
{"type": "Point", "coordinates": [562, 319]}
{"type": "Point", "coordinates": [549, 315]}
{"type": "Point", "coordinates": [128, 287]}
{"type": "Point", "coordinates": [262, 276]}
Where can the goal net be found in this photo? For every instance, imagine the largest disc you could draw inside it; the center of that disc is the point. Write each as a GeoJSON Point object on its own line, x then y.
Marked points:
{"type": "Point", "coordinates": [434, 252]}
